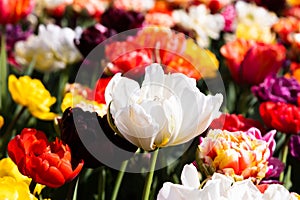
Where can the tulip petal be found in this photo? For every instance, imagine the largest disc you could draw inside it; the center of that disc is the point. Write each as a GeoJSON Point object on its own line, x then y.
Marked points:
{"type": "Point", "coordinates": [153, 84]}
{"type": "Point", "coordinates": [190, 177]}
{"type": "Point", "coordinates": [137, 126]}
{"type": "Point", "coordinates": [124, 89]}
{"type": "Point", "coordinates": [110, 87]}
{"type": "Point", "coordinates": [245, 190]}
{"type": "Point", "coordinates": [171, 191]}
{"type": "Point", "coordinates": [276, 192]}
{"type": "Point", "coordinates": [196, 118]}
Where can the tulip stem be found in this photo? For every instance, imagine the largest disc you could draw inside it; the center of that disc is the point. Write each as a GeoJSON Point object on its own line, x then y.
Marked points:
{"type": "Point", "coordinates": [19, 111]}
{"type": "Point", "coordinates": [149, 179]}
{"type": "Point", "coordinates": [16, 117]}
{"type": "Point", "coordinates": [101, 184]}
{"type": "Point", "coordinates": [3, 69]}
{"type": "Point", "coordinates": [284, 154]}
{"type": "Point", "coordinates": [119, 179]}
{"type": "Point", "coordinates": [32, 186]}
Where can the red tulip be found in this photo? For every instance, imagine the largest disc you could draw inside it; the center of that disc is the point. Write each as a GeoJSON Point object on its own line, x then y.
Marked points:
{"type": "Point", "coordinates": [250, 62]}
{"type": "Point", "coordinates": [11, 11]}
{"type": "Point", "coordinates": [100, 89]}
{"type": "Point", "coordinates": [282, 116]}
{"type": "Point", "coordinates": [233, 122]}
{"type": "Point", "coordinates": [46, 163]}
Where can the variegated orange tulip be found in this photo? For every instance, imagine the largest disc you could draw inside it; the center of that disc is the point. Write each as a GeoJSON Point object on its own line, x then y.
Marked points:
{"type": "Point", "coordinates": [249, 62]}
{"type": "Point", "coordinates": [239, 154]}
{"type": "Point", "coordinates": [11, 11]}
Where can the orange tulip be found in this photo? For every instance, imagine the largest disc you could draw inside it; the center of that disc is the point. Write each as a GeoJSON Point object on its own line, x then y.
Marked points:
{"type": "Point", "coordinates": [251, 62]}
{"type": "Point", "coordinates": [239, 154]}
{"type": "Point", "coordinates": [11, 11]}
{"type": "Point", "coordinates": [47, 163]}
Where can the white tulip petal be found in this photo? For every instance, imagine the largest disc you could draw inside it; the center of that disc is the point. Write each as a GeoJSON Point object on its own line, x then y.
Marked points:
{"type": "Point", "coordinates": [198, 116]}
{"type": "Point", "coordinates": [173, 110]}
{"type": "Point", "coordinates": [171, 191]}
{"type": "Point", "coordinates": [153, 83]}
{"type": "Point", "coordinates": [125, 90]}
{"type": "Point", "coordinates": [189, 176]}
{"type": "Point", "coordinates": [110, 88]}
{"type": "Point", "coordinates": [245, 190]}
{"type": "Point", "coordinates": [158, 116]}
{"type": "Point", "coordinates": [211, 190]}
{"type": "Point", "coordinates": [225, 183]}
{"type": "Point", "coordinates": [137, 126]}
{"type": "Point", "coordinates": [178, 83]}
{"type": "Point", "coordinates": [276, 192]}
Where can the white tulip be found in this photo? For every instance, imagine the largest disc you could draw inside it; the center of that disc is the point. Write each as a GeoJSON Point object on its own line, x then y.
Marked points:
{"type": "Point", "coordinates": [219, 187]}
{"type": "Point", "coordinates": [206, 26]}
{"type": "Point", "coordinates": [52, 49]}
{"type": "Point", "coordinates": [251, 14]}
{"type": "Point", "coordinates": [167, 110]}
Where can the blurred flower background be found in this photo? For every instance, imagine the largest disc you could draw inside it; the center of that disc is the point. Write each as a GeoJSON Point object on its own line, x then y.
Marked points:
{"type": "Point", "coordinates": [150, 99]}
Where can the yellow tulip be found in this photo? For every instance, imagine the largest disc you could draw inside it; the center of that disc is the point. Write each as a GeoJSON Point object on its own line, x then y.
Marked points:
{"type": "Point", "coordinates": [76, 100]}
{"type": "Point", "coordinates": [32, 94]}
{"type": "Point", "coordinates": [203, 60]}
{"type": "Point", "coordinates": [11, 189]}
{"type": "Point", "coordinates": [10, 169]}
{"type": "Point", "coordinates": [1, 121]}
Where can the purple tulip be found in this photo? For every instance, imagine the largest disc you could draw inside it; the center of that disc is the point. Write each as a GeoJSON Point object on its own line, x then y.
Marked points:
{"type": "Point", "coordinates": [121, 20]}
{"type": "Point", "coordinates": [277, 89]}
{"type": "Point", "coordinates": [294, 146]}
{"type": "Point", "coordinates": [91, 37]}
{"type": "Point", "coordinates": [275, 168]}
{"type": "Point", "coordinates": [15, 33]}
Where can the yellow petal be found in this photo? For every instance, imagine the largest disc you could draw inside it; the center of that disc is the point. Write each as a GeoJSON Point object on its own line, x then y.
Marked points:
{"type": "Point", "coordinates": [1, 121]}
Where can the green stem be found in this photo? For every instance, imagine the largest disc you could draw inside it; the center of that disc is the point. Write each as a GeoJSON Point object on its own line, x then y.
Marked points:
{"type": "Point", "coordinates": [3, 69]}
{"type": "Point", "coordinates": [16, 117]}
{"type": "Point", "coordinates": [119, 179]}
{"type": "Point", "coordinates": [101, 185]}
{"type": "Point", "coordinates": [149, 179]}
{"type": "Point", "coordinates": [7, 135]}
{"type": "Point", "coordinates": [283, 156]}
{"type": "Point", "coordinates": [30, 68]}
{"type": "Point", "coordinates": [72, 189]}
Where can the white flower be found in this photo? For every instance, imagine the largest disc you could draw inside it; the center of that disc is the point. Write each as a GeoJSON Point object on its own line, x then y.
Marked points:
{"type": "Point", "coordinates": [168, 109]}
{"type": "Point", "coordinates": [254, 22]}
{"type": "Point", "coordinates": [202, 22]}
{"type": "Point", "coordinates": [250, 14]}
{"type": "Point", "coordinates": [52, 49]}
{"type": "Point", "coordinates": [219, 187]}
{"type": "Point", "coordinates": [135, 5]}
